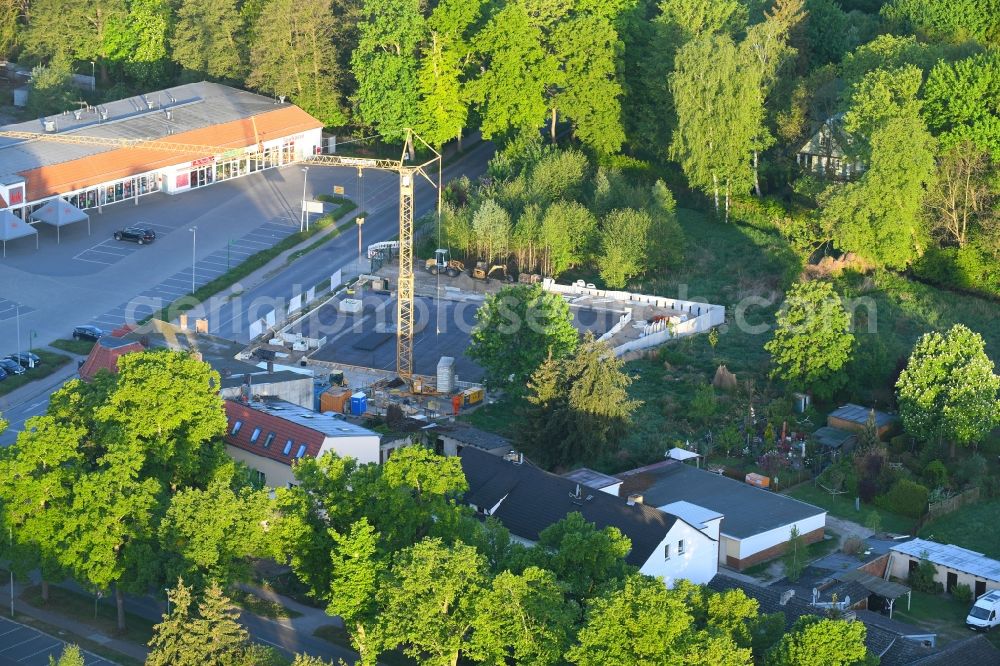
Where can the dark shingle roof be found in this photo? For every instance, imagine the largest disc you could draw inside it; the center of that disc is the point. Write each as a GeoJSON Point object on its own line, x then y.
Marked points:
{"type": "Point", "coordinates": [747, 510]}
{"type": "Point", "coordinates": [533, 499]}
{"type": "Point", "coordinates": [972, 651]}
{"type": "Point", "coordinates": [881, 641]}
{"type": "Point", "coordinates": [858, 414]}
{"type": "Point", "coordinates": [466, 434]}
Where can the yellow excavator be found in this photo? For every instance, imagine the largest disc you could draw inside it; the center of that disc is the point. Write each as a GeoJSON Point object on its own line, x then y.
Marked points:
{"type": "Point", "coordinates": [442, 262]}
{"type": "Point", "coordinates": [480, 272]}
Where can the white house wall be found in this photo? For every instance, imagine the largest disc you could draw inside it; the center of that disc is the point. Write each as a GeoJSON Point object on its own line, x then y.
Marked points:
{"type": "Point", "coordinates": [276, 474]}
{"type": "Point", "coordinates": [363, 448]}
{"type": "Point", "coordinates": [899, 567]}
{"type": "Point", "coordinates": [754, 544]}
{"type": "Point", "coordinates": [699, 563]}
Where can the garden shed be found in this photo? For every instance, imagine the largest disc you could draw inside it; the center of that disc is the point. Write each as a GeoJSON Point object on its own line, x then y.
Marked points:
{"type": "Point", "coordinates": [955, 565]}
{"type": "Point", "coordinates": [853, 418]}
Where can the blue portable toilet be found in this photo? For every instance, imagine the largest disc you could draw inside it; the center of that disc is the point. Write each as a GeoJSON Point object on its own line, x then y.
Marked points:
{"type": "Point", "coordinates": [359, 404]}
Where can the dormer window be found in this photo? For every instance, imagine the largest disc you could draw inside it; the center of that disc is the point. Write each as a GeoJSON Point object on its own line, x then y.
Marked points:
{"type": "Point", "coordinates": [301, 452]}
{"type": "Point", "coordinates": [288, 448]}
{"type": "Point", "coordinates": [236, 427]}
{"type": "Point", "coordinates": [255, 435]}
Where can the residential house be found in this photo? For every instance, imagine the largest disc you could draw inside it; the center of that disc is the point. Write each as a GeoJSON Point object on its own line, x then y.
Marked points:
{"type": "Point", "coordinates": [104, 355]}
{"type": "Point", "coordinates": [824, 153]}
{"type": "Point", "coordinates": [527, 500]}
{"type": "Point", "coordinates": [449, 439]}
{"type": "Point", "coordinates": [756, 524]}
{"type": "Point", "coordinates": [954, 565]}
{"type": "Point", "coordinates": [271, 435]}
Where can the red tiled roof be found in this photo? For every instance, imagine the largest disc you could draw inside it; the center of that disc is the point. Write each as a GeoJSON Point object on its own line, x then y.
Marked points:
{"type": "Point", "coordinates": [3, 204]}
{"type": "Point", "coordinates": [106, 357]}
{"type": "Point", "coordinates": [123, 162]}
{"type": "Point", "coordinates": [282, 428]}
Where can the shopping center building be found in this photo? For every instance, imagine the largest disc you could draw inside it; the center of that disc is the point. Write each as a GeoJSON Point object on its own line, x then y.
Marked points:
{"type": "Point", "coordinates": [252, 133]}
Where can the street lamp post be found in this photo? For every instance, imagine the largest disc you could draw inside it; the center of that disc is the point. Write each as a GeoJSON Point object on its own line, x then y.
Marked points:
{"type": "Point", "coordinates": [17, 312]}
{"type": "Point", "coordinates": [304, 217]}
{"type": "Point", "coordinates": [229, 245]}
{"type": "Point", "coordinates": [360, 222]}
{"type": "Point", "coordinates": [93, 73]}
{"type": "Point", "coordinates": [194, 253]}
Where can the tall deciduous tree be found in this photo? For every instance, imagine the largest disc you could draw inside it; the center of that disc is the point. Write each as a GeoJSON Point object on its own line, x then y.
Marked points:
{"type": "Point", "coordinates": [293, 54]}
{"type": "Point", "coordinates": [517, 328]}
{"type": "Point", "coordinates": [385, 65]}
{"type": "Point", "coordinates": [430, 600]}
{"type": "Point", "coordinates": [139, 41]}
{"type": "Point", "coordinates": [510, 93]}
{"type": "Point", "coordinates": [10, 17]}
{"type": "Point", "coordinates": [812, 341]}
{"type": "Point", "coordinates": [357, 572]}
{"type": "Point", "coordinates": [567, 231]}
{"type": "Point", "coordinates": [584, 559]}
{"type": "Point", "coordinates": [208, 39]}
{"type": "Point", "coordinates": [86, 30]}
{"type": "Point", "coordinates": [646, 624]}
{"type": "Point", "coordinates": [589, 50]}
{"type": "Point", "coordinates": [623, 246]}
{"type": "Point", "coordinates": [962, 197]}
{"type": "Point", "coordinates": [948, 390]}
{"type": "Point", "coordinates": [962, 102]}
{"type": "Point", "coordinates": [815, 641]}
{"type": "Point", "coordinates": [51, 88]}
{"type": "Point", "coordinates": [444, 106]}
{"type": "Point", "coordinates": [522, 619]}
{"type": "Point", "coordinates": [491, 229]}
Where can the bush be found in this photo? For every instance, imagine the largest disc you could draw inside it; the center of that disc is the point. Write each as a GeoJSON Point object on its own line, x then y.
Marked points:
{"type": "Point", "coordinates": [907, 498]}
{"type": "Point", "coordinates": [935, 474]}
{"type": "Point", "coordinates": [961, 593]}
{"type": "Point", "coordinates": [899, 444]}
{"type": "Point", "coordinates": [921, 579]}
{"type": "Point", "coordinates": [970, 471]}
{"type": "Point", "coordinates": [703, 404]}
{"type": "Point", "coordinates": [852, 545]}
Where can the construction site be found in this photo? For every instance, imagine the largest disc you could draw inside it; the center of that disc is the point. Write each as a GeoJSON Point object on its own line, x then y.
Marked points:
{"type": "Point", "coordinates": [352, 334]}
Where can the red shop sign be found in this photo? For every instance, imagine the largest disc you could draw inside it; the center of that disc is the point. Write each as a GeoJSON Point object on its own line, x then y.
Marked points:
{"type": "Point", "coordinates": [203, 161]}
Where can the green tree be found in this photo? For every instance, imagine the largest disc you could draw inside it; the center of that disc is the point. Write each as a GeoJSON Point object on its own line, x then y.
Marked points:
{"type": "Point", "coordinates": [10, 18]}
{"type": "Point", "coordinates": [357, 571]}
{"type": "Point", "coordinates": [210, 636]}
{"type": "Point", "coordinates": [567, 229]}
{"type": "Point", "coordinates": [86, 30]}
{"type": "Point", "coordinates": [577, 407]}
{"type": "Point", "coordinates": [139, 41]}
{"type": "Point", "coordinates": [491, 229]}
{"type": "Point", "coordinates": [948, 390]}
{"type": "Point", "coordinates": [588, 48]}
{"type": "Point", "coordinates": [517, 328]}
{"type": "Point", "coordinates": [293, 54]}
{"type": "Point", "coordinates": [208, 39]}
{"type": "Point", "coordinates": [430, 600]}
{"type": "Point", "coordinates": [623, 246]}
{"type": "Point", "coordinates": [954, 20]}
{"type": "Point", "coordinates": [510, 91]}
{"type": "Point", "coordinates": [444, 107]}
{"type": "Point", "coordinates": [815, 641]}
{"type": "Point", "coordinates": [212, 534]}
{"type": "Point", "coordinates": [645, 624]}
{"type": "Point", "coordinates": [962, 102]}
{"type": "Point", "coordinates": [71, 656]}
{"type": "Point", "coordinates": [812, 341]}
{"type": "Point", "coordinates": [584, 559]}
{"type": "Point", "coordinates": [795, 555]}
{"type": "Point", "coordinates": [385, 65]}
{"type": "Point", "coordinates": [51, 88]}
{"type": "Point", "coordinates": [522, 619]}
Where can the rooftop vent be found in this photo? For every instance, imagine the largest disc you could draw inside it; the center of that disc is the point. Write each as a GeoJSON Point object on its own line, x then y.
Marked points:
{"type": "Point", "coordinates": [103, 111]}
{"type": "Point", "coordinates": [169, 114]}
{"type": "Point", "coordinates": [785, 596]}
{"type": "Point", "coordinates": [78, 114]}
{"type": "Point", "coordinates": [281, 98]}
{"type": "Point", "coordinates": [515, 457]}
{"type": "Point", "coordinates": [50, 125]}
{"type": "Point", "coordinates": [576, 494]}
{"type": "Point", "coordinates": [634, 498]}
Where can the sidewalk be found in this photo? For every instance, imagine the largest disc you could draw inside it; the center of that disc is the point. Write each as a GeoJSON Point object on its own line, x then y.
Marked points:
{"type": "Point", "coordinates": [310, 618]}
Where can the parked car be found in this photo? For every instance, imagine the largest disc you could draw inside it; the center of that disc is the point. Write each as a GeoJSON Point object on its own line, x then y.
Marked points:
{"type": "Point", "coordinates": [87, 333]}
{"type": "Point", "coordinates": [26, 359]}
{"type": "Point", "coordinates": [984, 615]}
{"type": "Point", "coordinates": [3, 374]}
{"type": "Point", "coordinates": [138, 235]}
{"type": "Point", "coordinates": [11, 367]}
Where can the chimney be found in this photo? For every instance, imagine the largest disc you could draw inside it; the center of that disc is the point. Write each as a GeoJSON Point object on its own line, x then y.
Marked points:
{"type": "Point", "coordinates": [270, 365]}
{"type": "Point", "coordinates": [785, 596]}
{"type": "Point", "coordinates": [634, 498]}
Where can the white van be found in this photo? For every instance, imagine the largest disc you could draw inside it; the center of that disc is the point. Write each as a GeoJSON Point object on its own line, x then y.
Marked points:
{"type": "Point", "coordinates": [985, 614]}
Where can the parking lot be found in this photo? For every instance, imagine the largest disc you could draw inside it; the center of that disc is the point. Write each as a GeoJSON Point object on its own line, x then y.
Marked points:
{"type": "Point", "coordinates": [20, 644]}
{"type": "Point", "coordinates": [11, 309]}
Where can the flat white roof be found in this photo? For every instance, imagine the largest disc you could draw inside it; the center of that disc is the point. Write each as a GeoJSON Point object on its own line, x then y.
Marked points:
{"type": "Point", "coordinates": [696, 515]}
{"type": "Point", "coordinates": [677, 453]}
{"type": "Point", "coordinates": [953, 557]}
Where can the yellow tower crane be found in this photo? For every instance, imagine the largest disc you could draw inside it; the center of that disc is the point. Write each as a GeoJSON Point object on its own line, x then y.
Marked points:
{"type": "Point", "coordinates": [407, 175]}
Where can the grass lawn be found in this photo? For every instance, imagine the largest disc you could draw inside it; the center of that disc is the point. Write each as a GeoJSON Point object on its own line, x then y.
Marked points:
{"type": "Point", "coordinates": [79, 347]}
{"type": "Point", "coordinates": [51, 362]}
{"type": "Point", "coordinates": [81, 608]}
{"type": "Point", "coordinates": [969, 527]}
{"type": "Point", "coordinates": [260, 606]}
{"type": "Point", "coordinates": [842, 506]}
{"type": "Point", "coordinates": [338, 636]}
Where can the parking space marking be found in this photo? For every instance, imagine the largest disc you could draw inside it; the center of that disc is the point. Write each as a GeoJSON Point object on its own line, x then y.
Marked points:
{"type": "Point", "coordinates": [40, 657]}
{"type": "Point", "coordinates": [48, 649]}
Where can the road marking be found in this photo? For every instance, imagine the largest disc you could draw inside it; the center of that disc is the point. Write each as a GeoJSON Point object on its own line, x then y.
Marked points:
{"type": "Point", "coordinates": [35, 637]}
{"type": "Point", "coordinates": [54, 645]}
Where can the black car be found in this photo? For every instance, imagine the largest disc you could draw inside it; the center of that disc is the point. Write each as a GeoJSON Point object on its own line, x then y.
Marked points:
{"type": "Point", "coordinates": [25, 359]}
{"type": "Point", "coordinates": [3, 374]}
{"type": "Point", "coordinates": [138, 235]}
{"type": "Point", "coordinates": [87, 333]}
{"type": "Point", "coordinates": [11, 367]}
